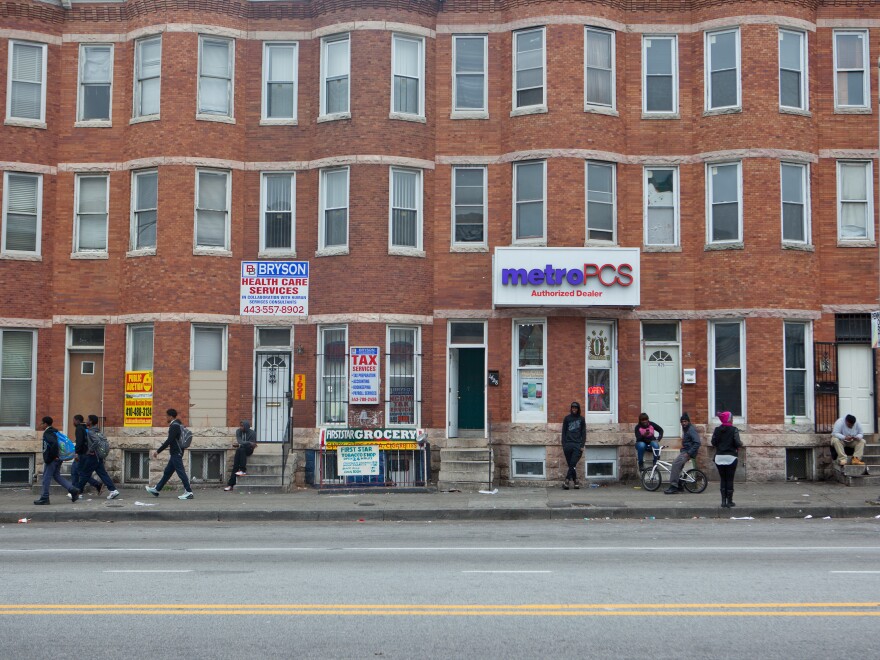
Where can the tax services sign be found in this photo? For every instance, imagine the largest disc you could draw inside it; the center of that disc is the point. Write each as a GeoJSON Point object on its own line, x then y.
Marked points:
{"type": "Point", "coordinates": [565, 277]}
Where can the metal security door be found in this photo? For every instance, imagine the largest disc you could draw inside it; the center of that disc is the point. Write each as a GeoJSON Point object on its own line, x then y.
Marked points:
{"type": "Point", "coordinates": [825, 369]}
{"type": "Point", "coordinates": [273, 397]}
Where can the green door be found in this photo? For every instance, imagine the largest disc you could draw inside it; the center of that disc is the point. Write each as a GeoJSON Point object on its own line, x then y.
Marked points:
{"type": "Point", "coordinates": [471, 391]}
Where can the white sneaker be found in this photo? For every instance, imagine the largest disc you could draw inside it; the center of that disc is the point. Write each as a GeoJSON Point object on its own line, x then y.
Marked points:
{"type": "Point", "coordinates": [152, 491]}
{"type": "Point", "coordinates": [187, 495]}
{"type": "Point", "coordinates": [113, 495]}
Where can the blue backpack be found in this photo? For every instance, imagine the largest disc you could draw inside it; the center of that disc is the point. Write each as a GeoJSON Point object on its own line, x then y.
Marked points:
{"type": "Point", "coordinates": [66, 446]}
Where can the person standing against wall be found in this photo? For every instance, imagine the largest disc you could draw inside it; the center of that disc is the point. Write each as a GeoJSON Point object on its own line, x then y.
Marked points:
{"type": "Point", "coordinates": [725, 439]}
{"type": "Point", "coordinates": [574, 437]}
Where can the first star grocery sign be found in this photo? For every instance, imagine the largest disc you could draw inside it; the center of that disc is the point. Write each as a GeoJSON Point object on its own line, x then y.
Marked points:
{"type": "Point", "coordinates": [274, 288]}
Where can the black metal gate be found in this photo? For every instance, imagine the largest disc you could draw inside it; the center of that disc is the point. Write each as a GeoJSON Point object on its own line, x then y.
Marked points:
{"type": "Point", "coordinates": [273, 397]}
{"type": "Point", "coordinates": [825, 369]}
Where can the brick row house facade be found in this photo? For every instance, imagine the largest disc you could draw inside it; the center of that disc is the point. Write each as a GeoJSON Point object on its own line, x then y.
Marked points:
{"type": "Point", "coordinates": [634, 204]}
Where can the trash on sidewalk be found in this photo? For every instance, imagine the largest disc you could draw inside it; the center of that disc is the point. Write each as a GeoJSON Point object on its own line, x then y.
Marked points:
{"type": "Point", "coordinates": [807, 517]}
{"type": "Point", "coordinates": [743, 518]}
{"type": "Point", "coordinates": [27, 520]}
{"type": "Point", "coordinates": [827, 518]}
{"type": "Point", "coordinates": [144, 503]}
{"type": "Point", "coordinates": [494, 491]}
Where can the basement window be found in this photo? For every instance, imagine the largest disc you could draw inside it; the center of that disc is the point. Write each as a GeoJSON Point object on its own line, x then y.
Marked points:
{"type": "Point", "coordinates": [528, 462]}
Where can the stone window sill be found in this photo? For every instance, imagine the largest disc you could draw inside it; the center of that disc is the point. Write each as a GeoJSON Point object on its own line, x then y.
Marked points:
{"type": "Point", "coordinates": [279, 122]}
{"type": "Point", "coordinates": [722, 111]}
{"type": "Point", "coordinates": [94, 123]}
{"type": "Point", "coordinates": [469, 114]}
{"type": "Point", "coordinates": [852, 111]}
{"type": "Point", "coordinates": [211, 252]}
{"type": "Point", "coordinates": [403, 116]}
{"type": "Point", "coordinates": [276, 254]}
{"type": "Point", "coordinates": [601, 110]}
{"type": "Point", "coordinates": [797, 247]}
{"type": "Point", "coordinates": [220, 119]}
{"type": "Point", "coordinates": [794, 111]}
{"type": "Point", "coordinates": [661, 115]}
{"type": "Point", "coordinates": [400, 251]}
{"type": "Point", "coordinates": [529, 242]}
{"type": "Point", "coordinates": [463, 248]}
{"type": "Point", "coordinates": [334, 117]}
{"type": "Point", "coordinates": [531, 110]}
{"type": "Point", "coordinates": [860, 243]}
{"type": "Point", "coordinates": [141, 252]}
{"type": "Point", "coordinates": [143, 120]}
{"type": "Point", "coordinates": [25, 123]}
{"type": "Point", "coordinates": [661, 248]}
{"type": "Point", "coordinates": [732, 245]}
{"type": "Point", "coordinates": [21, 256]}
{"type": "Point", "coordinates": [97, 255]}
{"type": "Point", "coordinates": [335, 251]}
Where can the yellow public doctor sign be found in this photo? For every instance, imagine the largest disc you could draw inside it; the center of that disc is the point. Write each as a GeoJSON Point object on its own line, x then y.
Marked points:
{"type": "Point", "coordinates": [138, 398]}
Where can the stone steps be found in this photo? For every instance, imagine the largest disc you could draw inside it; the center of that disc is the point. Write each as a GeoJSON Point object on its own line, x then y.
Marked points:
{"type": "Point", "coordinates": [467, 466]}
{"type": "Point", "coordinates": [857, 475]}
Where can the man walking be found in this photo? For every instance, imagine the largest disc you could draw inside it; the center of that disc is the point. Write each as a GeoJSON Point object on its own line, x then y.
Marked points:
{"type": "Point", "coordinates": [52, 463]}
{"type": "Point", "coordinates": [81, 438]}
{"type": "Point", "coordinates": [175, 458]}
{"type": "Point", "coordinates": [847, 432]}
{"type": "Point", "coordinates": [245, 443]}
{"type": "Point", "coordinates": [92, 463]}
{"type": "Point", "coordinates": [690, 445]}
{"type": "Point", "coordinates": [574, 437]}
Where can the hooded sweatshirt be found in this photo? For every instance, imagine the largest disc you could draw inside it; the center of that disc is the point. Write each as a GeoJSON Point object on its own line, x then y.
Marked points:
{"type": "Point", "coordinates": [50, 445]}
{"type": "Point", "coordinates": [245, 436]}
{"type": "Point", "coordinates": [574, 428]}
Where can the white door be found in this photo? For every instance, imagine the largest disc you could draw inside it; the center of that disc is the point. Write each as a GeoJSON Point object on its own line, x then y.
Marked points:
{"type": "Point", "coordinates": [273, 385]}
{"type": "Point", "coordinates": [661, 387]}
{"type": "Point", "coordinates": [452, 396]}
{"type": "Point", "coordinates": [856, 393]}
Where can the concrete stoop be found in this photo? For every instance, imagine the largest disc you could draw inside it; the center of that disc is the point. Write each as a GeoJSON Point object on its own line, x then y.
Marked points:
{"type": "Point", "coordinates": [266, 470]}
{"type": "Point", "coordinates": [857, 475]}
{"type": "Point", "coordinates": [466, 466]}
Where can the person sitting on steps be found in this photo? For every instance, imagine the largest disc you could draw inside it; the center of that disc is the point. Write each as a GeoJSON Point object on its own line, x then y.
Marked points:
{"type": "Point", "coordinates": [847, 432]}
{"type": "Point", "coordinates": [648, 433]}
{"type": "Point", "coordinates": [245, 443]}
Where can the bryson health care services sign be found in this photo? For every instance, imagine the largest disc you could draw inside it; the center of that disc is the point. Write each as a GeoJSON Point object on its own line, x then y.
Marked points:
{"type": "Point", "coordinates": [274, 288]}
{"type": "Point", "coordinates": [565, 277]}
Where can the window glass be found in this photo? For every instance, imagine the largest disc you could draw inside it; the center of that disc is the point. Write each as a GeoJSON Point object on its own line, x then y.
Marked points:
{"type": "Point", "coordinates": [660, 332]}
{"type": "Point", "coordinates": [530, 389]}
{"type": "Point", "coordinates": [336, 66]}
{"type": "Point", "coordinates": [16, 377]}
{"type": "Point", "coordinates": [92, 213]}
{"type": "Point", "coordinates": [22, 212]}
{"type": "Point", "coordinates": [211, 209]}
{"type": "Point", "coordinates": [407, 74]}
{"type": "Point", "coordinates": [660, 196]}
{"type": "Point", "coordinates": [660, 74]}
{"type": "Point", "coordinates": [600, 202]}
{"type": "Point", "coordinates": [404, 208]}
{"type": "Point", "coordinates": [600, 354]}
{"type": "Point", "coordinates": [141, 342]}
{"type": "Point", "coordinates": [793, 203]}
{"type": "Point", "coordinates": [849, 51]}
{"type": "Point", "coordinates": [335, 207]}
{"type": "Point", "coordinates": [466, 333]}
{"type": "Point", "coordinates": [469, 203]}
{"type": "Point", "coordinates": [791, 69]}
{"type": "Point", "coordinates": [529, 183]}
{"type": "Point", "coordinates": [148, 68]}
{"type": "Point", "coordinates": [853, 199]}
{"type": "Point", "coordinates": [470, 73]}
{"type": "Point", "coordinates": [146, 200]}
{"type": "Point", "coordinates": [207, 349]}
{"type": "Point", "coordinates": [402, 375]}
{"type": "Point", "coordinates": [529, 68]}
{"type": "Point", "coordinates": [280, 81]}
{"type": "Point", "coordinates": [215, 77]}
{"type": "Point", "coordinates": [724, 191]}
{"type": "Point", "coordinates": [723, 71]}
{"type": "Point", "coordinates": [727, 368]}
{"type": "Point", "coordinates": [274, 337]}
{"type": "Point", "coordinates": [334, 375]}
{"type": "Point", "coordinates": [96, 72]}
{"type": "Point", "coordinates": [599, 67]}
{"type": "Point", "coordinates": [278, 212]}
{"type": "Point", "coordinates": [26, 81]}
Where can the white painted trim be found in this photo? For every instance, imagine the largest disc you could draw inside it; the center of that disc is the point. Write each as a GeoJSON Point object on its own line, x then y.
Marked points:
{"type": "Point", "coordinates": [676, 230]}
{"type": "Point", "coordinates": [265, 120]}
{"type": "Point", "coordinates": [743, 362]}
{"type": "Point", "coordinates": [600, 107]}
{"type": "Point", "coordinates": [204, 249]}
{"type": "Point", "coordinates": [230, 90]}
{"type": "Point", "coordinates": [24, 121]}
{"type": "Point", "coordinates": [132, 249]}
{"type": "Point", "coordinates": [136, 96]}
{"type": "Point", "coordinates": [517, 416]}
{"type": "Point", "coordinates": [36, 254]}
{"type": "Point", "coordinates": [587, 239]}
{"type": "Point", "coordinates": [93, 123]}
{"type": "Point", "coordinates": [710, 200]}
{"type": "Point", "coordinates": [475, 246]}
{"type": "Point", "coordinates": [76, 252]}
{"type": "Point", "coordinates": [869, 192]}
{"type": "Point", "coordinates": [805, 73]}
{"type": "Point", "coordinates": [674, 112]}
{"type": "Point", "coordinates": [326, 41]}
{"type": "Point", "coordinates": [398, 114]}
{"type": "Point", "coordinates": [406, 250]}
{"type": "Point", "coordinates": [536, 107]}
{"type": "Point", "coordinates": [277, 252]}
{"type": "Point", "coordinates": [471, 113]}
{"type": "Point", "coordinates": [707, 72]}
{"type": "Point", "coordinates": [514, 217]}
{"type": "Point", "coordinates": [322, 239]}
{"type": "Point", "coordinates": [805, 183]}
{"type": "Point", "coordinates": [866, 71]}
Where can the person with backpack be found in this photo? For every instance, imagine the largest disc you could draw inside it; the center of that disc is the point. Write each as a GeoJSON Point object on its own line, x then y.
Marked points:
{"type": "Point", "coordinates": [81, 434]}
{"type": "Point", "coordinates": [175, 444]}
{"type": "Point", "coordinates": [245, 443]}
{"type": "Point", "coordinates": [52, 463]}
{"type": "Point", "coordinates": [93, 461]}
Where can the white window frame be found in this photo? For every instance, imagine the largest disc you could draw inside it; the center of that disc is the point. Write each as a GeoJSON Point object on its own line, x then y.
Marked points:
{"type": "Point", "coordinates": [707, 83]}
{"type": "Point", "coordinates": [38, 245]}
{"type": "Point", "coordinates": [591, 458]}
{"type": "Point", "coordinates": [601, 416]}
{"type": "Point", "coordinates": [135, 185]}
{"type": "Point", "coordinates": [531, 240]}
{"type": "Point", "coordinates": [80, 100]}
{"type": "Point", "coordinates": [26, 121]}
{"type": "Point", "coordinates": [392, 248]}
{"type": "Point", "coordinates": [676, 209]}
{"type": "Point", "coordinates": [593, 104]}
{"type": "Point", "coordinates": [805, 186]}
{"type": "Point", "coordinates": [613, 168]}
{"type": "Point", "coordinates": [91, 252]}
{"type": "Point", "coordinates": [138, 88]}
{"type": "Point", "coordinates": [319, 377]}
{"type": "Point", "coordinates": [804, 70]}
{"type": "Point", "coordinates": [417, 374]}
{"type": "Point", "coordinates": [538, 455]}
{"type": "Point", "coordinates": [869, 191]}
{"type": "Point", "coordinates": [420, 42]}
{"type": "Point", "coordinates": [192, 343]}
{"type": "Point", "coordinates": [207, 249]}
{"type": "Point", "coordinates": [33, 377]}
{"type": "Point", "coordinates": [674, 54]}
{"type": "Point", "coordinates": [527, 416]}
{"type": "Point", "coordinates": [710, 203]}
{"type": "Point", "coordinates": [325, 43]}
{"type": "Point", "coordinates": [742, 367]}
{"type": "Point", "coordinates": [129, 342]}
{"type": "Point", "coordinates": [808, 371]}
{"type": "Point", "coordinates": [866, 70]}
{"type": "Point", "coordinates": [463, 113]}
{"type": "Point", "coordinates": [485, 171]}
{"type": "Point", "coordinates": [322, 209]}
{"type": "Point", "coordinates": [230, 89]}
{"type": "Point", "coordinates": [264, 107]}
{"type": "Point", "coordinates": [291, 251]}
{"type": "Point", "coordinates": [535, 107]}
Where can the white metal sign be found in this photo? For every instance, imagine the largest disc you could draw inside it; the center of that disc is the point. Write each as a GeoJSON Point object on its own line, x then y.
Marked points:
{"type": "Point", "coordinates": [364, 379]}
{"type": "Point", "coordinates": [566, 277]}
{"type": "Point", "coordinates": [357, 460]}
{"type": "Point", "coordinates": [274, 288]}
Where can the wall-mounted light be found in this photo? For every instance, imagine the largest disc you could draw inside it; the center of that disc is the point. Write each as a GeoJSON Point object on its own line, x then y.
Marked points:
{"type": "Point", "coordinates": [299, 349]}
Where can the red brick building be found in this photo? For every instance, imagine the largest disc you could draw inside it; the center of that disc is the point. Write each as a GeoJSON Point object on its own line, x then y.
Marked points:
{"type": "Point", "coordinates": [725, 151]}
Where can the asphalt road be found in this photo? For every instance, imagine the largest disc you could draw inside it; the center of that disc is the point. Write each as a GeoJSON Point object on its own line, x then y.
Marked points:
{"type": "Point", "coordinates": [590, 589]}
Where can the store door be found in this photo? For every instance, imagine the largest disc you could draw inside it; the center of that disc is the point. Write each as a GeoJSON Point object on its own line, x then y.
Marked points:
{"type": "Point", "coordinates": [85, 389]}
{"type": "Point", "coordinates": [856, 392]}
{"type": "Point", "coordinates": [661, 387]}
{"type": "Point", "coordinates": [272, 397]}
{"type": "Point", "coordinates": [471, 389]}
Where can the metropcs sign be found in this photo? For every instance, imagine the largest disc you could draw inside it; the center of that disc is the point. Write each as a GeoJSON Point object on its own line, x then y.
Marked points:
{"type": "Point", "coordinates": [565, 277]}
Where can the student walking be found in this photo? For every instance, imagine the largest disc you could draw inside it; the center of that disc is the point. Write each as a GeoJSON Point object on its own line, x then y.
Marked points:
{"type": "Point", "coordinates": [52, 463]}
{"type": "Point", "coordinates": [175, 458]}
{"type": "Point", "coordinates": [92, 463]}
{"type": "Point", "coordinates": [245, 443]}
{"type": "Point", "coordinates": [574, 437]}
{"type": "Point", "coordinates": [725, 439]}
{"type": "Point", "coordinates": [81, 438]}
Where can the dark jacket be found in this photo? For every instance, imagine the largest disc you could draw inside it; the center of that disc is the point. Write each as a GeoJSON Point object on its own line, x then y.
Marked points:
{"type": "Point", "coordinates": [574, 430]}
{"type": "Point", "coordinates": [172, 441]}
{"type": "Point", "coordinates": [690, 441]}
{"type": "Point", "coordinates": [649, 439]}
{"type": "Point", "coordinates": [50, 445]}
{"type": "Point", "coordinates": [247, 436]}
{"type": "Point", "coordinates": [82, 439]}
{"type": "Point", "coordinates": [726, 440]}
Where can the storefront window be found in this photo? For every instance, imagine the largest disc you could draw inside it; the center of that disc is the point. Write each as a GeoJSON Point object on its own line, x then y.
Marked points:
{"type": "Point", "coordinates": [530, 394]}
{"type": "Point", "coordinates": [600, 365]}
{"type": "Point", "coordinates": [402, 375]}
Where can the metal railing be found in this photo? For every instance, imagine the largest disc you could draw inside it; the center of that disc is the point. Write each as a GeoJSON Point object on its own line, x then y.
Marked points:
{"type": "Point", "coordinates": [398, 468]}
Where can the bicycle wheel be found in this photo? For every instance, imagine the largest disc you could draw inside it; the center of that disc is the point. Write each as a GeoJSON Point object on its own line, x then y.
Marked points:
{"type": "Point", "coordinates": [651, 479]}
{"type": "Point", "coordinates": [696, 481]}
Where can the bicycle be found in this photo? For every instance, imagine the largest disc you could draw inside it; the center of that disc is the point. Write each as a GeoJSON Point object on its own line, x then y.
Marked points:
{"type": "Point", "coordinates": [693, 480]}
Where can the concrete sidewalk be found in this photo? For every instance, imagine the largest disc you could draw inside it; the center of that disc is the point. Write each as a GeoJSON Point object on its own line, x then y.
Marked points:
{"type": "Point", "coordinates": [617, 501]}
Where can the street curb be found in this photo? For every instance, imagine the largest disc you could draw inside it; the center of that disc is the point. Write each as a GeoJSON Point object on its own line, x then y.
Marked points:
{"type": "Point", "coordinates": [428, 515]}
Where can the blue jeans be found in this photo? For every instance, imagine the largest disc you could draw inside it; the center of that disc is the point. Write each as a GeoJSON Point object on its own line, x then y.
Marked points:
{"type": "Point", "coordinates": [75, 470]}
{"type": "Point", "coordinates": [89, 464]}
{"type": "Point", "coordinates": [175, 464]}
{"type": "Point", "coordinates": [641, 446]}
{"type": "Point", "coordinates": [53, 471]}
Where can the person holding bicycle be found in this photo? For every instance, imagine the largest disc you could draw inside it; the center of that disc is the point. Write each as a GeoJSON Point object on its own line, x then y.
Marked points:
{"type": "Point", "coordinates": [690, 445]}
{"type": "Point", "coordinates": [648, 433]}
